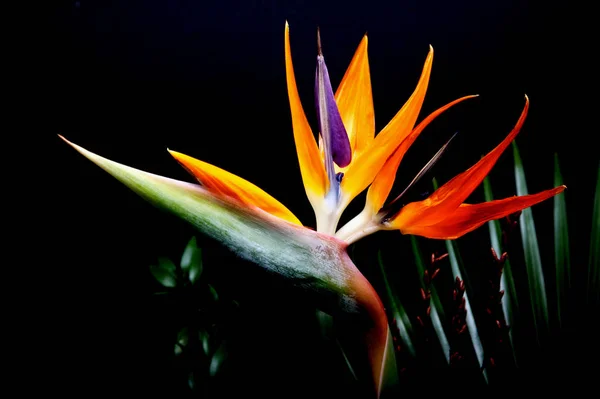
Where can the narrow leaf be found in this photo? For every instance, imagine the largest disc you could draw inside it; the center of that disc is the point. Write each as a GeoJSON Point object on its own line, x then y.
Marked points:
{"type": "Point", "coordinates": [594, 263]}
{"type": "Point", "coordinates": [204, 338]}
{"type": "Point", "coordinates": [533, 261]}
{"type": "Point", "coordinates": [399, 316]}
{"type": "Point", "coordinates": [458, 270]}
{"type": "Point", "coordinates": [212, 292]}
{"type": "Point", "coordinates": [510, 303]}
{"type": "Point", "coordinates": [164, 272]}
{"type": "Point", "coordinates": [326, 325]}
{"type": "Point", "coordinates": [437, 312]}
{"type": "Point", "coordinates": [562, 257]}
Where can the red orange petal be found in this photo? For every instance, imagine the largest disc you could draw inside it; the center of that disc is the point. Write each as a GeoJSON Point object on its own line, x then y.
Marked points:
{"type": "Point", "coordinates": [448, 198]}
{"type": "Point", "coordinates": [468, 217]}
{"type": "Point", "coordinates": [381, 186]}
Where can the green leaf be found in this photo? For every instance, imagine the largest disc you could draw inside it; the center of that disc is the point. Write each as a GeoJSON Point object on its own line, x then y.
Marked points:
{"type": "Point", "coordinates": [459, 271]}
{"type": "Point", "coordinates": [182, 341]}
{"type": "Point", "coordinates": [533, 261]}
{"type": "Point", "coordinates": [204, 338]}
{"type": "Point", "coordinates": [326, 325]}
{"type": "Point", "coordinates": [346, 359]}
{"type": "Point", "coordinates": [191, 260]}
{"type": "Point", "coordinates": [164, 272]}
{"type": "Point", "coordinates": [217, 360]}
{"type": "Point", "coordinates": [400, 317]}
{"type": "Point", "coordinates": [510, 303]}
{"type": "Point", "coordinates": [390, 376]}
{"type": "Point", "coordinates": [192, 381]}
{"type": "Point", "coordinates": [212, 292]}
{"type": "Point", "coordinates": [437, 312]}
{"type": "Point", "coordinates": [562, 256]}
{"type": "Point", "coordinates": [594, 263]}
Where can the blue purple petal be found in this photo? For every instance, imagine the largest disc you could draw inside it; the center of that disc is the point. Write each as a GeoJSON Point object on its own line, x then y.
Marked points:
{"type": "Point", "coordinates": [335, 138]}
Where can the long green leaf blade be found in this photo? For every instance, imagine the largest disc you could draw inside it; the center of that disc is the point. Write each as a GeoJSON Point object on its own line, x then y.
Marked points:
{"type": "Point", "coordinates": [594, 263]}
{"type": "Point", "coordinates": [510, 302]}
{"type": "Point", "coordinates": [458, 270]}
{"type": "Point", "coordinates": [437, 312]}
{"type": "Point", "coordinates": [400, 317]}
{"type": "Point", "coordinates": [562, 256]}
{"type": "Point", "coordinates": [533, 261]}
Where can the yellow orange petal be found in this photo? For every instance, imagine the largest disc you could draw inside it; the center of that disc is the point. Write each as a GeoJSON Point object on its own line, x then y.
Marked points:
{"type": "Point", "coordinates": [221, 182]}
{"type": "Point", "coordinates": [447, 198]}
{"type": "Point", "coordinates": [311, 164]}
{"type": "Point", "coordinates": [382, 185]}
{"type": "Point", "coordinates": [366, 165]}
{"type": "Point", "coordinates": [355, 100]}
{"type": "Point", "coordinates": [468, 217]}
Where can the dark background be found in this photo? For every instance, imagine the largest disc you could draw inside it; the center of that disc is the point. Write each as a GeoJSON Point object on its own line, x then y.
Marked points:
{"type": "Point", "coordinates": [128, 79]}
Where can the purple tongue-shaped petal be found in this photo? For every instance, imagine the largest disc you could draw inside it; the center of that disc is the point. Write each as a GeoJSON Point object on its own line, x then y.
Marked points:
{"type": "Point", "coordinates": [335, 138]}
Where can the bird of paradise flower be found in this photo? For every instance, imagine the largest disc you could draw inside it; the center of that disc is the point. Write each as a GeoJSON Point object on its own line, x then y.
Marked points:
{"type": "Point", "coordinates": [347, 159]}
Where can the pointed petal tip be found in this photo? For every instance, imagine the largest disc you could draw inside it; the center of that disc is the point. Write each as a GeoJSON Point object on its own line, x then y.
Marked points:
{"type": "Point", "coordinates": [64, 139]}
{"type": "Point", "coordinates": [468, 217]}
{"type": "Point", "coordinates": [75, 146]}
{"type": "Point", "coordinates": [319, 47]}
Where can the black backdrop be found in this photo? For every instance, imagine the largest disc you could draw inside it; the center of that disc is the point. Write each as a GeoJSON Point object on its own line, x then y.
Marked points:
{"type": "Point", "coordinates": [128, 79]}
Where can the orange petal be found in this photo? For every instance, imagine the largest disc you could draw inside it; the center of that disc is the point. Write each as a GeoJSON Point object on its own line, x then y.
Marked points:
{"type": "Point", "coordinates": [355, 100]}
{"type": "Point", "coordinates": [447, 198]}
{"type": "Point", "coordinates": [468, 217]}
{"type": "Point", "coordinates": [366, 165]}
{"type": "Point", "coordinates": [311, 165]}
{"type": "Point", "coordinates": [382, 185]}
{"type": "Point", "coordinates": [221, 182]}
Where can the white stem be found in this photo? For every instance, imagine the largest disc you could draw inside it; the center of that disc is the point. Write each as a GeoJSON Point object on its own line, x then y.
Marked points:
{"type": "Point", "coordinates": [363, 224]}
{"type": "Point", "coordinates": [327, 222]}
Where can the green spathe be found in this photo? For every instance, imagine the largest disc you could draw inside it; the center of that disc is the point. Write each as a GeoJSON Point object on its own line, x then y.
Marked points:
{"type": "Point", "coordinates": [316, 262]}
{"type": "Point", "coordinates": [305, 257]}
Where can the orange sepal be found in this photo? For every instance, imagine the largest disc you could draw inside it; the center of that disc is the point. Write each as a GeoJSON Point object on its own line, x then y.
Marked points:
{"type": "Point", "coordinates": [366, 165]}
{"type": "Point", "coordinates": [468, 217]}
{"type": "Point", "coordinates": [309, 158]}
{"type": "Point", "coordinates": [224, 183]}
{"type": "Point", "coordinates": [355, 100]}
{"type": "Point", "coordinates": [382, 185]}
